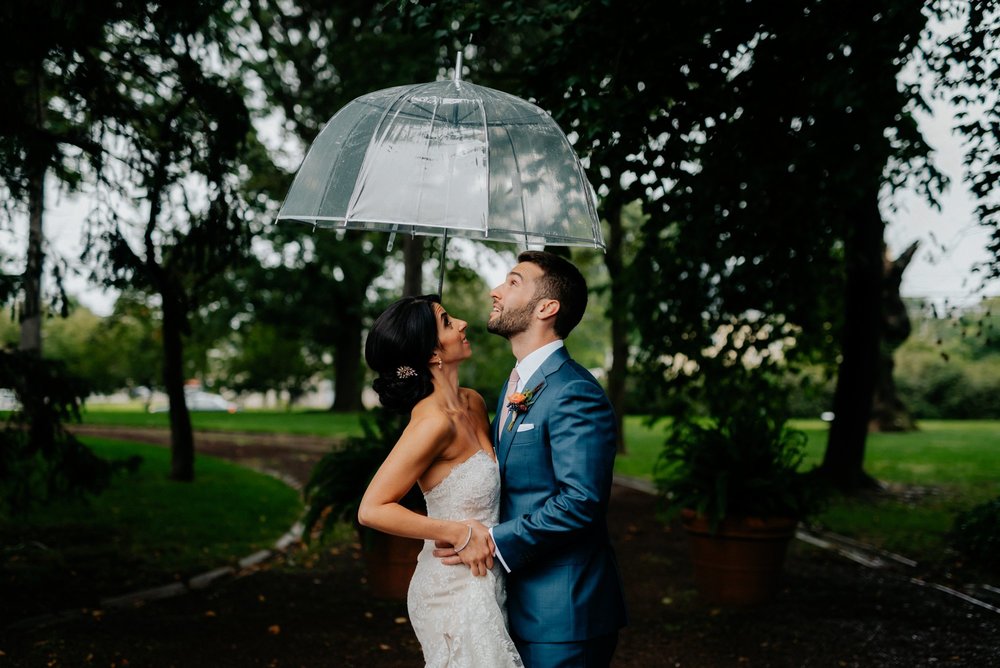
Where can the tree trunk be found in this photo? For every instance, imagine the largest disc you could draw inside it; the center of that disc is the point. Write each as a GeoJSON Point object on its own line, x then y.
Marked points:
{"type": "Point", "coordinates": [619, 321]}
{"type": "Point", "coordinates": [888, 411]}
{"type": "Point", "coordinates": [843, 462]}
{"type": "Point", "coordinates": [31, 309]}
{"type": "Point", "coordinates": [347, 357]}
{"type": "Point", "coordinates": [413, 263]}
{"type": "Point", "coordinates": [181, 435]}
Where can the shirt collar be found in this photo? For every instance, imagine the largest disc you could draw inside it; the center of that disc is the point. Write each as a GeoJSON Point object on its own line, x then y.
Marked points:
{"type": "Point", "coordinates": [533, 360]}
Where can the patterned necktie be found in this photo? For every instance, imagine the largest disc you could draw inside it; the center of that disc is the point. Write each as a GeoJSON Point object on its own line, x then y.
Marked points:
{"type": "Point", "coordinates": [511, 388]}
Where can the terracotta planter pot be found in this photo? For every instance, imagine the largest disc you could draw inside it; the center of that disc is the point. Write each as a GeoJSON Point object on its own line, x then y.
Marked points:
{"type": "Point", "coordinates": [741, 562]}
{"type": "Point", "coordinates": [390, 562]}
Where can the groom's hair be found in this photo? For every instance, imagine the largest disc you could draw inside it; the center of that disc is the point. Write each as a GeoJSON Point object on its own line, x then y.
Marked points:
{"type": "Point", "coordinates": [563, 282]}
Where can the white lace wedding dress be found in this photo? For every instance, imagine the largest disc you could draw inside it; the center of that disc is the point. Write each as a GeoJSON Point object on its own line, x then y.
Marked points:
{"type": "Point", "coordinates": [460, 619]}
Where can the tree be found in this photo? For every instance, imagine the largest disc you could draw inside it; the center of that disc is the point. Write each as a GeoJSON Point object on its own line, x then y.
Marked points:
{"type": "Point", "coordinates": [51, 74]}
{"type": "Point", "coordinates": [52, 77]}
{"type": "Point", "coordinates": [176, 150]}
{"type": "Point", "coordinates": [963, 59]}
{"type": "Point", "coordinates": [766, 249]}
{"type": "Point", "coordinates": [760, 139]}
{"type": "Point", "coordinates": [123, 351]}
{"type": "Point", "coordinates": [306, 307]}
{"type": "Point", "coordinates": [267, 360]}
{"type": "Point", "coordinates": [314, 58]}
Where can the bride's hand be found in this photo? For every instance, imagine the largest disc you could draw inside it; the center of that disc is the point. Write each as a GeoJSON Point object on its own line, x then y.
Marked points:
{"type": "Point", "coordinates": [477, 553]}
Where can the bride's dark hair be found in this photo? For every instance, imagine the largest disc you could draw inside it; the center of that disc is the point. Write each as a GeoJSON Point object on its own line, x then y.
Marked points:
{"type": "Point", "coordinates": [399, 347]}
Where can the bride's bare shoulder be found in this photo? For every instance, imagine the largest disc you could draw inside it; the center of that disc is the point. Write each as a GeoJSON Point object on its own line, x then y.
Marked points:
{"type": "Point", "coordinates": [473, 400]}
{"type": "Point", "coordinates": [427, 418]}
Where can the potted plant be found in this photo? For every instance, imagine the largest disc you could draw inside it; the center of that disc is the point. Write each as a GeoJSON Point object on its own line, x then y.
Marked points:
{"type": "Point", "coordinates": [733, 477]}
{"type": "Point", "coordinates": [334, 493]}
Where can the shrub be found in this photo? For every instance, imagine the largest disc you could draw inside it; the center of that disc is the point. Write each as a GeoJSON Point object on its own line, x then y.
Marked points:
{"type": "Point", "coordinates": [741, 460]}
{"type": "Point", "coordinates": [39, 460]}
{"type": "Point", "coordinates": [339, 480]}
{"type": "Point", "coordinates": [953, 388]}
{"type": "Point", "coordinates": [976, 534]}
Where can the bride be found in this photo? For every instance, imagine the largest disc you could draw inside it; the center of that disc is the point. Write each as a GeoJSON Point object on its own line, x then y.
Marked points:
{"type": "Point", "coordinates": [458, 614]}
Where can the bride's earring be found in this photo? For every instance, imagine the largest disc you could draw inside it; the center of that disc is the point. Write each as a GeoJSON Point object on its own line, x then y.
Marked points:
{"type": "Point", "coordinates": [440, 363]}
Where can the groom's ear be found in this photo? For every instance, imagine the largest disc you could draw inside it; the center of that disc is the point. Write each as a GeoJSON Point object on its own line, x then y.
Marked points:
{"type": "Point", "coordinates": [547, 308]}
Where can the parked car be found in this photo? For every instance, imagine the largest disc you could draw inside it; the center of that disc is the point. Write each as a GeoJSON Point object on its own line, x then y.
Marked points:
{"type": "Point", "coordinates": [197, 400]}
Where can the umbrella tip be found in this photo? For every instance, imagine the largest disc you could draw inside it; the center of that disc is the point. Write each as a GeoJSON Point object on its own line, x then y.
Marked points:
{"type": "Point", "coordinates": [458, 66]}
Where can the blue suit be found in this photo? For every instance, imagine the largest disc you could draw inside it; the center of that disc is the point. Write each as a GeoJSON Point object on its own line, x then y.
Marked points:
{"type": "Point", "coordinates": [556, 464]}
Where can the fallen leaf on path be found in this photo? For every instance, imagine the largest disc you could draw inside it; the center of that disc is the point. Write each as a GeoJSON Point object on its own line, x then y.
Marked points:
{"type": "Point", "coordinates": [274, 629]}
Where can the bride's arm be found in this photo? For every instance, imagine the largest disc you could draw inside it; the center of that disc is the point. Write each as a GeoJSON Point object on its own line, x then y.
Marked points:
{"type": "Point", "coordinates": [423, 440]}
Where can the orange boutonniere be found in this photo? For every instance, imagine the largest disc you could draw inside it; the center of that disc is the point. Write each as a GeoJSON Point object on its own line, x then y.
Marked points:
{"type": "Point", "coordinates": [520, 402]}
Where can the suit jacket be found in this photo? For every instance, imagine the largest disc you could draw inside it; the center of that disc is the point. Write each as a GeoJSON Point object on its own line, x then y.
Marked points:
{"type": "Point", "coordinates": [556, 464]}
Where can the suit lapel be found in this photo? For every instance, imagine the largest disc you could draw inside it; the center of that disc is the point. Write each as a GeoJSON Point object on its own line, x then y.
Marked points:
{"type": "Point", "coordinates": [496, 426]}
{"type": "Point", "coordinates": [504, 436]}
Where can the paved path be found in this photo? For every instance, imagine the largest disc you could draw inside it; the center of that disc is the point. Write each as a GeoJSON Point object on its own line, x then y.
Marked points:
{"type": "Point", "coordinates": [161, 436]}
{"type": "Point", "coordinates": [830, 613]}
{"type": "Point", "coordinates": [290, 457]}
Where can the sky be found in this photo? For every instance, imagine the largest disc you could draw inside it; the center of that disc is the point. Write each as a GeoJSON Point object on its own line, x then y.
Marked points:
{"type": "Point", "coordinates": [951, 242]}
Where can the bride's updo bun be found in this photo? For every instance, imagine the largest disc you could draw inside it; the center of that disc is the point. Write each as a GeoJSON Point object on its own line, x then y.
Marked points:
{"type": "Point", "coordinates": [399, 347]}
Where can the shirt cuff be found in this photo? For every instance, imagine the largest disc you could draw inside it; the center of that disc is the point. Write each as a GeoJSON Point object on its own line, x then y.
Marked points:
{"type": "Point", "coordinates": [496, 552]}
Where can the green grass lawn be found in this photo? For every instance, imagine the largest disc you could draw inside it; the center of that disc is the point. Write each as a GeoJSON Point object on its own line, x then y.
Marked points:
{"type": "Point", "coordinates": [319, 423]}
{"type": "Point", "coordinates": [950, 453]}
{"type": "Point", "coordinates": [145, 530]}
{"type": "Point", "coordinates": [949, 467]}
{"type": "Point", "coordinates": [955, 463]}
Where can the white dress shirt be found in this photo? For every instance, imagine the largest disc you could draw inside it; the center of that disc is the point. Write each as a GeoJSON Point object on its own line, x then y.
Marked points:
{"type": "Point", "coordinates": [531, 362]}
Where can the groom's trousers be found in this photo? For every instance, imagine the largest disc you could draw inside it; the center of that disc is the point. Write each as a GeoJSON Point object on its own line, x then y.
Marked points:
{"type": "Point", "coordinates": [593, 653]}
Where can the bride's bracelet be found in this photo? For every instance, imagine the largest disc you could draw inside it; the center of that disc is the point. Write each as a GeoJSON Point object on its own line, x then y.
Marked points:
{"type": "Point", "coordinates": [466, 543]}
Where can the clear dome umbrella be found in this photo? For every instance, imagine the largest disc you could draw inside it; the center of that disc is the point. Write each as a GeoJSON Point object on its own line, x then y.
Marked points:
{"type": "Point", "coordinates": [446, 158]}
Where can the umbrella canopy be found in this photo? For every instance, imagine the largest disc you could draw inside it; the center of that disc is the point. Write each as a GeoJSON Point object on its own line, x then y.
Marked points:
{"type": "Point", "coordinates": [447, 158]}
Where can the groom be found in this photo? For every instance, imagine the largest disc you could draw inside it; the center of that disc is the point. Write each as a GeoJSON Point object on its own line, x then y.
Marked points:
{"type": "Point", "coordinates": [555, 445]}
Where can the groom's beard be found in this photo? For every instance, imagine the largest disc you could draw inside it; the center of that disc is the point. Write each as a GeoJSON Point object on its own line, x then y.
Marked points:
{"type": "Point", "coordinates": [508, 323]}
